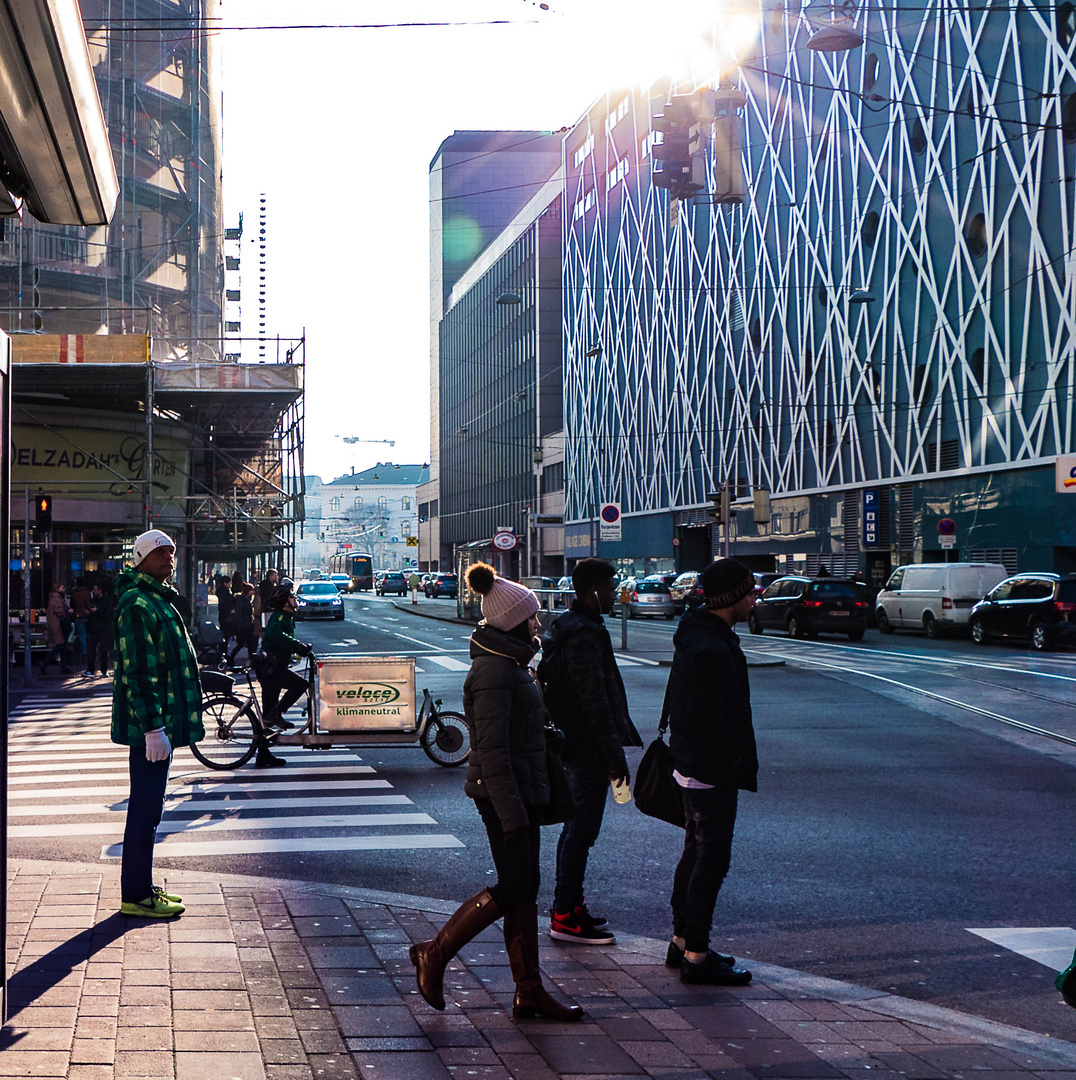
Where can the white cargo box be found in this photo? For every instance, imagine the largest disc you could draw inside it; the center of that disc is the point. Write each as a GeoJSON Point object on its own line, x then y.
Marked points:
{"type": "Point", "coordinates": [366, 693]}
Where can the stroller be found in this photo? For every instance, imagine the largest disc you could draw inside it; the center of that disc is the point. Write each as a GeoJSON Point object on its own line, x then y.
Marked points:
{"type": "Point", "coordinates": [210, 645]}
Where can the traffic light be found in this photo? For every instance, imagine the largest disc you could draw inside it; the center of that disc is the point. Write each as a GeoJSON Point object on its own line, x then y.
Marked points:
{"type": "Point", "coordinates": [43, 513]}
{"type": "Point", "coordinates": [38, 322]}
{"type": "Point", "coordinates": [718, 499]}
{"type": "Point", "coordinates": [678, 162]}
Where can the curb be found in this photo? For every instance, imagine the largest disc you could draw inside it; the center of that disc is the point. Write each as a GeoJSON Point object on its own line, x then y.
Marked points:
{"type": "Point", "coordinates": [938, 1017]}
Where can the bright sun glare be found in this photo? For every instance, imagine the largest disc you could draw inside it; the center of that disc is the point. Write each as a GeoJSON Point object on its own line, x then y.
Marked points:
{"type": "Point", "coordinates": [636, 42]}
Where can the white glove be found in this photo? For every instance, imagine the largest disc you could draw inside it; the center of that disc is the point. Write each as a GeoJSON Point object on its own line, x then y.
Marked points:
{"type": "Point", "coordinates": [158, 748]}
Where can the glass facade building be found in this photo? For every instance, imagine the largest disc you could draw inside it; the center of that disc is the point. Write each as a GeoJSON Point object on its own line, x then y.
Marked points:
{"type": "Point", "coordinates": [887, 315]}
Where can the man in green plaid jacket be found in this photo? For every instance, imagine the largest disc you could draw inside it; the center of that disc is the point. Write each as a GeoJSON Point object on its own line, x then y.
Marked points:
{"type": "Point", "coordinates": [156, 704]}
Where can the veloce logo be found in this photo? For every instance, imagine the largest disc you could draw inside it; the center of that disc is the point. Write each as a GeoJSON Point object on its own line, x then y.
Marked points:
{"type": "Point", "coordinates": [370, 694]}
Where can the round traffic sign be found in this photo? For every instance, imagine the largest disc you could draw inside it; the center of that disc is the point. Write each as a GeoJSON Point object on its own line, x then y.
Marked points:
{"type": "Point", "coordinates": [676, 541]}
{"type": "Point", "coordinates": [504, 541]}
{"type": "Point", "coordinates": [947, 527]}
{"type": "Point", "coordinates": [610, 513]}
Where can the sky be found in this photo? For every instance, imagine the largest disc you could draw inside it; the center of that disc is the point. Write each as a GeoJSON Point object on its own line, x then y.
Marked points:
{"type": "Point", "coordinates": [336, 128]}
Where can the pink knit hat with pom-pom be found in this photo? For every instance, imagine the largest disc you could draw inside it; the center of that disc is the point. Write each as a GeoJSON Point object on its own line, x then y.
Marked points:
{"type": "Point", "coordinates": [505, 604]}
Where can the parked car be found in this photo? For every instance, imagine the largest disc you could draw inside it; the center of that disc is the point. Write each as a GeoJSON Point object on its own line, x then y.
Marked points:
{"type": "Point", "coordinates": [934, 597]}
{"type": "Point", "coordinates": [808, 606]}
{"type": "Point", "coordinates": [686, 588]}
{"type": "Point", "coordinates": [318, 600]}
{"type": "Point", "coordinates": [565, 592]}
{"type": "Point", "coordinates": [1039, 608]}
{"type": "Point", "coordinates": [764, 580]}
{"type": "Point", "coordinates": [392, 581]}
{"type": "Point", "coordinates": [442, 584]}
{"type": "Point", "coordinates": [665, 579]}
{"type": "Point", "coordinates": [341, 581]}
{"type": "Point", "coordinates": [649, 599]}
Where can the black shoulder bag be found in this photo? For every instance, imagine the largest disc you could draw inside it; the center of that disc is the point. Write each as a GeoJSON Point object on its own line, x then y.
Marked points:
{"type": "Point", "coordinates": [657, 794]}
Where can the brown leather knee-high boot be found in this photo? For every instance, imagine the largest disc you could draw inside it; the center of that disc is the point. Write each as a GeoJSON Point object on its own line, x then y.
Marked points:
{"type": "Point", "coordinates": [431, 957]}
{"type": "Point", "coordinates": [532, 999]}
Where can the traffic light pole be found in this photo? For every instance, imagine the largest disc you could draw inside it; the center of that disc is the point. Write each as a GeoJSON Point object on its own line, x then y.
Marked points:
{"type": "Point", "coordinates": [27, 665]}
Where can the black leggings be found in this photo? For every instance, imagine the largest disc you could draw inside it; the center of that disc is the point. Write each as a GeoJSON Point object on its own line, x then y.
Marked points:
{"type": "Point", "coordinates": [290, 681]}
{"type": "Point", "coordinates": [517, 864]}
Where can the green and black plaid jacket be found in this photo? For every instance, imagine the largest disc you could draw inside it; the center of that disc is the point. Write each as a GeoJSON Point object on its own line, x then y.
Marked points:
{"type": "Point", "coordinates": [156, 676]}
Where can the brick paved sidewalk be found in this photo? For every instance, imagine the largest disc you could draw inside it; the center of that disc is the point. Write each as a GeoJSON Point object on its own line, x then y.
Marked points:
{"type": "Point", "coordinates": [286, 980]}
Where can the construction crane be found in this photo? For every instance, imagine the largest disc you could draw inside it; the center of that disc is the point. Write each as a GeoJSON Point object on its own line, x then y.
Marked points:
{"type": "Point", "coordinates": [352, 439]}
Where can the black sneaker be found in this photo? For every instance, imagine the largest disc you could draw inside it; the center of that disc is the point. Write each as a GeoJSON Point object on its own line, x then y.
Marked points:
{"type": "Point", "coordinates": [713, 971]}
{"type": "Point", "coordinates": [674, 957]}
{"type": "Point", "coordinates": [266, 760]}
{"type": "Point", "coordinates": [595, 920]}
{"type": "Point", "coordinates": [575, 926]}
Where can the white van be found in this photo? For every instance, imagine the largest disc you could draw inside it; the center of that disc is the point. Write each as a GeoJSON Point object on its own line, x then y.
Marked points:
{"type": "Point", "coordinates": [934, 597]}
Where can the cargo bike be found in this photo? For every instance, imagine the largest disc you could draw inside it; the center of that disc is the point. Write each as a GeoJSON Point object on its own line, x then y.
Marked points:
{"type": "Point", "coordinates": [353, 701]}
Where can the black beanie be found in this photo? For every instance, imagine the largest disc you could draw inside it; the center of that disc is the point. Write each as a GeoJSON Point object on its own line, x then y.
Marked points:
{"type": "Point", "coordinates": [725, 582]}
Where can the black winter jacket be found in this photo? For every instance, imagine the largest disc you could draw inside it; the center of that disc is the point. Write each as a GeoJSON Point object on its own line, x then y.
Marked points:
{"type": "Point", "coordinates": [711, 735]}
{"type": "Point", "coordinates": [584, 690]}
{"type": "Point", "coordinates": [506, 717]}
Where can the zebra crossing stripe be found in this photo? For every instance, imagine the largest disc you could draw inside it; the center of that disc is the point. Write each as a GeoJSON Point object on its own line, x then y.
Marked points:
{"type": "Point", "coordinates": [313, 802]}
{"type": "Point", "coordinates": [449, 662]}
{"type": "Point", "coordinates": [176, 795]}
{"type": "Point", "coordinates": [195, 849]}
{"type": "Point", "coordinates": [201, 826]}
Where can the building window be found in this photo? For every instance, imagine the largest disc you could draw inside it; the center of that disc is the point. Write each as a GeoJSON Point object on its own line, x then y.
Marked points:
{"type": "Point", "coordinates": [405, 503]}
{"type": "Point", "coordinates": [382, 502]}
{"type": "Point", "coordinates": [405, 528]}
{"type": "Point", "coordinates": [334, 504]}
{"type": "Point", "coordinates": [358, 502]}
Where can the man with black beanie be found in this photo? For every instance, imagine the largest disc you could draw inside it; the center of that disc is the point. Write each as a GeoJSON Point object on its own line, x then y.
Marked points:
{"type": "Point", "coordinates": [712, 741]}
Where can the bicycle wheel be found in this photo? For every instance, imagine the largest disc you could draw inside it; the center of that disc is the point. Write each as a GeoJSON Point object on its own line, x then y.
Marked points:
{"type": "Point", "coordinates": [445, 739]}
{"type": "Point", "coordinates": [229, 733]}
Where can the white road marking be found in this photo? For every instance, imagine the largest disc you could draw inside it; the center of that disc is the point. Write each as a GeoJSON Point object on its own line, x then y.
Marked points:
{"type": "Point", "coordinates": [119, 794]}
{"type": "Point", "coordinates": [202, 825]}
{"type": "Point", "coordinates": [449, 662]}
{"type": "Point", "coordinates": [174, 849]}
{"type": "Point", "coordinates": [228, 805]}
{"type": "Point", "coordinates": [416, 641]}
{"type": "Point", "coordinates": [622, 658]}
{"type": "Point", "coordinates": [1051, 946]}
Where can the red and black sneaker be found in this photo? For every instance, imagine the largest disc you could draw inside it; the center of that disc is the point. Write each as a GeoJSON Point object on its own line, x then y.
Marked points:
{"type": "Point", "coordinates": [576, 925]}
{"type": "Point", "coordinates": [594, 920]}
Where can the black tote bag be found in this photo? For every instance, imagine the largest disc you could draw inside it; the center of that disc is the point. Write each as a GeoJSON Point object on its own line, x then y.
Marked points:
{"type": "Point", "coordinates": [657, 794]}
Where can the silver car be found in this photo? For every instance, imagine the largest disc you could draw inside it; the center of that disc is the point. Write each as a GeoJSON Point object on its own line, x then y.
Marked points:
{"type": "Point", "coordinates": [651, 598]}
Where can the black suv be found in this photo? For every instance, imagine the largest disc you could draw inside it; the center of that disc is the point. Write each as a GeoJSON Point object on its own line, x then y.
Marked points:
{"type": "Point", "coordinates": [1040, 608]}
{"type": "Point", "coordinates": [391, 581]}
{"type": "Point", "coordinates": [805, 607]}
{"type": "Point", "coordinates": [443, 584]}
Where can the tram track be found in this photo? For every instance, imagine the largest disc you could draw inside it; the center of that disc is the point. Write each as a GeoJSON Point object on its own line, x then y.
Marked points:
{"type": "Point", "coordinates": [803, 657]}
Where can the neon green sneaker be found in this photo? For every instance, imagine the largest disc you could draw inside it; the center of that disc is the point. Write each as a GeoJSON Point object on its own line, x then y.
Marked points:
{"type": "Point", "coordinates": [170, 897]}
{"type": "Point", "coordinates": [153, 907]}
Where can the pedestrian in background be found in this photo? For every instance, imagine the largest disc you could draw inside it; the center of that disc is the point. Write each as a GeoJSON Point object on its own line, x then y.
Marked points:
{"type": "Point", "coordinates": [265, 590]}
{"type": "Point", "coordinates": [99, 632]}
{"type": "Point", "coordinates": [712, 741]}
{"type": "Point", "coordinates": [58, 623]}
{"type": "Point", "coordinates": [80, 609]}
{"type": "Point", "coordinates": [156, 705]}
{"type": "Point", "coordinates": [585, 696]}
{"type": "Point", "coordinates": [243, 612]}
{"type": "Point", "coordinates": [225, 609]}
{"type": "Point", "coordinates": [413, 583]}
{"type": "Point", "coordinates": [506, 777]}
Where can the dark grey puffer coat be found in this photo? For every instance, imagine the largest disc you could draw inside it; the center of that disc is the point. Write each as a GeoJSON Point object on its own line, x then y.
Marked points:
{"type": "Point", "coordinates": [506, 716]}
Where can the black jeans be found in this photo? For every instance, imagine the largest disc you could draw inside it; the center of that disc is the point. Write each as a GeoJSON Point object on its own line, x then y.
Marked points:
{"type": "Point", "coordinates": [710, 816]}
{"type": "Point", "coordinates": [149, 779]}
{"type": "Point", "coordinates": [98, 649]}
{"type": "Point", "coordinates": [282, 678]}
{"type": "Point", "coordinates": [589, 781]}
{"type": "Point", "coordinates": [516, 862]}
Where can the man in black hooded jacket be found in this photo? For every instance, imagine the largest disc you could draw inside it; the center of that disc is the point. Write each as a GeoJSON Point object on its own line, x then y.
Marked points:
{"type": "Point", "coordinates": [585, 695]}
{"type": "Point", "coordinates": [712, 741]}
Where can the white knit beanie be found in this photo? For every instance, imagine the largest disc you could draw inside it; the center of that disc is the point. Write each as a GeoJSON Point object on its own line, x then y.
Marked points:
{"type": "Point", "coordinates": [505, 604]}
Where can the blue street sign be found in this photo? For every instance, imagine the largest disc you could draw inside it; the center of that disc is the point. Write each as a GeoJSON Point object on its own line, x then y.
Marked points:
{"type": "Point", "coordinates": [870, 517]}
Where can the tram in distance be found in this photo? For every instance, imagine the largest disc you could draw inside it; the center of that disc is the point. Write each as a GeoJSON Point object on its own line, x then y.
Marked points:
{"type": "Point", "coordinates": [359, 569]}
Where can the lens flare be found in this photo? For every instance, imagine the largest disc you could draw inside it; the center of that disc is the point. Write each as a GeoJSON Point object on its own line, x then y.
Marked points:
{"type": "Point", "coordinates": [636, 43]}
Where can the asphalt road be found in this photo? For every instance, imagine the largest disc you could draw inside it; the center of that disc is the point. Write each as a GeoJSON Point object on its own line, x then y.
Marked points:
{"type": "Point", "coordinates": [899, 808]}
